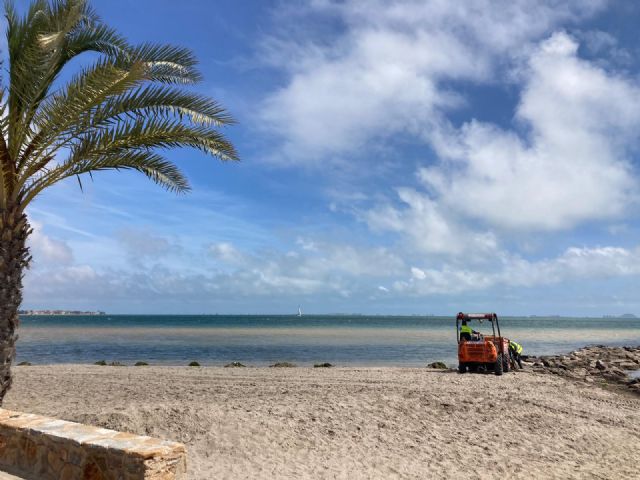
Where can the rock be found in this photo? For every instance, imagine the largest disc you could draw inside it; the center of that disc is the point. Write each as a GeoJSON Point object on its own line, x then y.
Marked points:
{"type": "Point", "coordinates": [25, 364]}
{"type": "Point", "coordinates": [141, 364]}
{"type": "Point", "coordinates": [580, 372]}
{"type": "Point", "coordinates": [283, 365]}
{"type": "Point", "coordinates": [234, 365]}
{"type": "Point", "coordinates": [323, 365]}
{"type": "Point", "coordinates": [100, 362]}
{"type": "Point", "coordinates": [626, 365]}
{"type": "Point", "coordinates": [606, 367]}
{"type": "Point", "coordinates": [194, 364]}
{"type": "Point", "coordinates": [438, 365]}
{"type": "Point", "coordinates": [117, 364]}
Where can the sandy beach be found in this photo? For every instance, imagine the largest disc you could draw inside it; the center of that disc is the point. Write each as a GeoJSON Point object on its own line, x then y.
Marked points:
{"type": "Point", "coordinates": [352, 423]}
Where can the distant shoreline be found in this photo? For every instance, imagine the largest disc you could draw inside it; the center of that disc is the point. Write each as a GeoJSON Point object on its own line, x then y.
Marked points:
{"type": "Point", "coordinates": [59, 313]}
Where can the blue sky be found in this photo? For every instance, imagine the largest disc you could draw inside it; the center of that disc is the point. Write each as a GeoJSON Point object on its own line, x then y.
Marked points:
{"type": "Point", "coordinates": [397, 157]}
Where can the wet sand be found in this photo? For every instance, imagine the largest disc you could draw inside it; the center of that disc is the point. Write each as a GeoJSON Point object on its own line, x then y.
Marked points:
{"type": "Point", "coordinates": [352, 423]}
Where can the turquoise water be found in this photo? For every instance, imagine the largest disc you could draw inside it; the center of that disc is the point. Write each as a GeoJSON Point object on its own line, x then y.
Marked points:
{"type": "Point", "coordinates": [262, 340]}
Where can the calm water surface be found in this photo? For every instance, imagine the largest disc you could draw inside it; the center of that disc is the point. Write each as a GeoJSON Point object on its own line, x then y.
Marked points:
{"type": "Point", "coordinates": [261, 340]}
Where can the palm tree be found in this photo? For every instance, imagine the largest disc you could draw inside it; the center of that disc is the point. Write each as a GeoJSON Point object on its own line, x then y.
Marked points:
{"type": "Point", "coordinates": [115, 113]}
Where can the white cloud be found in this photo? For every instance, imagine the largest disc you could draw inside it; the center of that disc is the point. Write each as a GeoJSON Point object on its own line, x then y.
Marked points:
{"type": "Point", "coordinates": [329, 269]}
{"type": "Point", "coordinates": [429, 228]}
{"type": "Point", "coordinates": [227, 253]}
{"type": "Point", "coordinates": [572, 165]}
{"type": "Point", "coordinates": [514, 271]}
{"type": "Point", "coordinates": [418, 274]}
{"type": "Point", "coordinates": [46, 250]}
{"type": "Point", "coordinates": [387, 72]}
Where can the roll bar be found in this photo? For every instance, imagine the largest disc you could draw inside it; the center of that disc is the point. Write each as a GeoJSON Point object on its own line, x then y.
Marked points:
{"type": "Point", "coordinates": [492, 317]}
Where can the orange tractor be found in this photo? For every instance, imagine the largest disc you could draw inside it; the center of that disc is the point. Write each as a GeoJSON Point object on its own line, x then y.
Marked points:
{"type": "Point", "coordinates": [478, 352]}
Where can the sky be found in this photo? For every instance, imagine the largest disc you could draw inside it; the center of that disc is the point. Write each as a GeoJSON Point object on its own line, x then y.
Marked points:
{"type": "Point", "coordinates": [397, 157]}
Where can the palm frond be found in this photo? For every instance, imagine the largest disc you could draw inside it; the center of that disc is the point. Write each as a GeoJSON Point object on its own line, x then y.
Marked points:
{"type": "Point", "coordinates": [60, 116]}
{"type": "Point", "coordinates": [134, 139]}
{"type": "Point", "coordinates": [163, 101]}
{"type": "Point", "coordinates": [40, 46]}
{"type": "Point", "coordinates": [160, 170]}
{"type": "Point", "coordinates": [68, 115]}
{"type": "Point", "coordinates": [165, 63]}
{"type": "Point", "coordinates": [149, 133]}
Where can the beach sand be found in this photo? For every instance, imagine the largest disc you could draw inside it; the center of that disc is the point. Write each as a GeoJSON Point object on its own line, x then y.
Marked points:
{"type": "Point", "coordinates": [352, 423]}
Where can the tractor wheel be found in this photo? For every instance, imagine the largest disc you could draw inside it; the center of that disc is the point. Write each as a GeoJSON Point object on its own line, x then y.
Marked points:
{"type": "Point", "coordinates": [498, 366]}
{"type": "Point", "coordinates": [462, 368]}
{"type": "Point", "coordinates": [505, 364]}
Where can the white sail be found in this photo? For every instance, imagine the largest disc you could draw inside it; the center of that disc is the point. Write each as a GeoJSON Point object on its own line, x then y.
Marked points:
{"type": "Point", "coordinates": [299, 311]}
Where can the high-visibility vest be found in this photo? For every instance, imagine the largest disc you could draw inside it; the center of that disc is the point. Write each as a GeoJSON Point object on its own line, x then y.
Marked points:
{"type": "Point", "coordinates": [466, 329]}
{"type": "Point", "coordinates": [516, 347]}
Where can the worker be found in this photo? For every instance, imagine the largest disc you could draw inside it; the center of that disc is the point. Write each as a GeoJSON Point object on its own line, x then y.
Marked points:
{"type": "Point", "coordinates": [466, 331]}
{"type": "Point", "coordinates": [515, 352]}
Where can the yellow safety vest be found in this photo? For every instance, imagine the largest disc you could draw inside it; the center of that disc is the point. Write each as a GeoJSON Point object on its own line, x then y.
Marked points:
{"type": "Point", "coordinates": [466, 329]}
{"type": "Point", "coordinates": [516, 347]}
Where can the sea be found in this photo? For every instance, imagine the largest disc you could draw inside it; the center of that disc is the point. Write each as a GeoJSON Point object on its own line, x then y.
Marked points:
{"type": "Point", "coordinates": [261, 340]}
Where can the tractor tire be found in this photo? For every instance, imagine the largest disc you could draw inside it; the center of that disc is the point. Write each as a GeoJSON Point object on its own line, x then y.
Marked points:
{"type": "Point", "coordinates": [505, 364]}
{"type": "Point", "coordinates": [462, 368]}
{"type": "Point", "coordinates": [497, 369]}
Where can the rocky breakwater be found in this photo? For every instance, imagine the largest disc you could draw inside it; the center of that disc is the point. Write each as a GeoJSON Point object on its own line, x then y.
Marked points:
{"type": "Point", "coordinates": [594, 364]}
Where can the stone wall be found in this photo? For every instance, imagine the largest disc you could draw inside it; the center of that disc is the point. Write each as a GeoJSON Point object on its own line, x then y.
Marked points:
{"type": "Point", "coordinates": [36, 447]}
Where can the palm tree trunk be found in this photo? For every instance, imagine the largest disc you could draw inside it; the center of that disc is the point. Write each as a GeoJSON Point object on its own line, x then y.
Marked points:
{"type": "Point", "coordinates": [14, 258]}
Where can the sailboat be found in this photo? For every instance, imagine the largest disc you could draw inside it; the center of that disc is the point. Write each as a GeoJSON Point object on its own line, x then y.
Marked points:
{"type": "Point", "coordinates": [299, 311]}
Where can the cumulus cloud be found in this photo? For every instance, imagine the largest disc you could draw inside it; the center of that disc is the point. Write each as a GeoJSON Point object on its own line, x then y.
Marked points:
{"type": "Point", "coordinates": [311, 267]}
{"type": "Point", "coordinates": [46, 250]}
{"type": "Point", "coordinates": [335, 270]}
{"type": "Point", "coordinates": [429, 228]}
{"type": "Point", "coordinates": [387, 70]}
{"type": "Point", "coordinates": [286, 276]}
{"type": "Point", "coordinates": [572, 164]}
{"type": "Point", "coordinates": [515, 271]}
